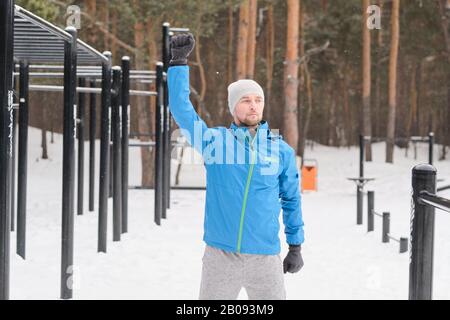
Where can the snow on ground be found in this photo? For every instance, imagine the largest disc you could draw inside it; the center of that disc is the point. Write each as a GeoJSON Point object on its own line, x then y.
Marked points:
{"type": "Point", "coordinates": [342, 260]}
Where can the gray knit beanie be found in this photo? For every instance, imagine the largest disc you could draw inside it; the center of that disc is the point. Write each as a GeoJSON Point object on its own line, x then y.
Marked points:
{"type": "Point", "coordinates": [240, 88]}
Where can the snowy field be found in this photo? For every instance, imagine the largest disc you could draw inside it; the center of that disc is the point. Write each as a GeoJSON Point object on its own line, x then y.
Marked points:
{"type": "Point", "coordinates": [342, 260]}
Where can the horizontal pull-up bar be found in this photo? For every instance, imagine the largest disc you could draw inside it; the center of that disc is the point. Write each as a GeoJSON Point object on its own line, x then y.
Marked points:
{"type": "Point", "coordinates": [179, 29]}
{"type": "Point", "coordinates": [81, 75]}
{"type": "Point", "coordinates": [35, 87]}
{"type": "Point", "coordinates": [84, 68]}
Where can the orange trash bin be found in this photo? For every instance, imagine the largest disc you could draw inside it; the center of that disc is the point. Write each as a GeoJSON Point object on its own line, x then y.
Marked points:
{"type": "Point", "coordinates": [309, 175]}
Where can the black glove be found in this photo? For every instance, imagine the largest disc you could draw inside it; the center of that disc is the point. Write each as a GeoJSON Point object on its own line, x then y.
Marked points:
{"type": "Point", "coordinates": [293, 261]}
{"type": "Point", "coordinates": [181, 46]}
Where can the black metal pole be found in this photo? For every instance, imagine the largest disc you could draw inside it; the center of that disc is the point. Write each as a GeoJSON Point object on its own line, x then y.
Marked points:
{"type": "Point", "coordinates": [6, 94]}
{"type": "Point", "coordinates": [166, 121]}
{"type": "Point", "coordinates": [422, 235]}
{"type": "Point", "coordinates": [430, 147]}
{"type": "Point", "coordinates": [386, 227]}
{"type": "Point", "coordinates": [125, 128]}
{"type": "Point", "coordinates": [115, 126]}
{"type": "Point", "coordinates": [68, 183]}
{"type": "Point", "coordinates": [23, 161]}
{"type": "Point", "coordinates": [403, 245]}
{"type": "Point", "coordinates": [92, 134]}
{"type": "Point", "coordinates": [104, 156]}
{"type": "Point", "coordinates": [13, 158]}
{"type": "Point", "coordinates": [158, 145]}
{"type": "Point", "coordinates": [370, 208]}
{"type": "Point", "coordinates": [111, 153]}
{"type": "Point", "coordinates": [359, 186]}
{"type": "Point", "coordinates": [361, 156]}
{"type": "Point", "coordinates": [80, 122]}
{"type": "Point", "coordinates": [359, 203]}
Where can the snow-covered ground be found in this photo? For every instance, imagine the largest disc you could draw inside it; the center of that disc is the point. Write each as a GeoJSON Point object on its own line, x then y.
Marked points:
{"type": "Point", "coordinates": [342, 260]}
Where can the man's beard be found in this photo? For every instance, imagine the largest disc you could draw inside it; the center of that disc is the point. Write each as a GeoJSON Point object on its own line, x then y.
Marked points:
{"type": "Point", "coordinates": [248, 122]}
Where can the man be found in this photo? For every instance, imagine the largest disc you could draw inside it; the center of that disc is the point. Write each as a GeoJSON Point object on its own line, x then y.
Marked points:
{"type": "Point", "coordinates": [251, 176]}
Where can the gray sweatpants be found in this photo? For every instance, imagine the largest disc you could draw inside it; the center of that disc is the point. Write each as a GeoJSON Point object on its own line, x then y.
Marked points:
{"type": "Point", "coordinates": [225, 273]}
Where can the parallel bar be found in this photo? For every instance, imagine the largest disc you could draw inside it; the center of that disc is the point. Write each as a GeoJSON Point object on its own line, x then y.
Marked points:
{"type": "Point", "coordinates": [22, 162]}
{"type": "Point", "coordinates": [433, 200]}
{"type": "Point", "coordinates": [6, 86]}
{"type": "Point", "coordinates": [125, 139]}
{"type": "Point", "coordinates": [393, 238]}
{"type": "Point", "coordinates": [377, 214]}
{"type": "Point", "coordinates": [92, 131]}
{"type": "Point", "coordinates": [104, 158]}
{"type": "Point", "coordinates": [115, 126]}
{"type": "Point", "coordinates": [68, 185]}
{"type": "Point", "coordinates": [80, 111]}
{"type": "Point", "coordinates": [443, 188]}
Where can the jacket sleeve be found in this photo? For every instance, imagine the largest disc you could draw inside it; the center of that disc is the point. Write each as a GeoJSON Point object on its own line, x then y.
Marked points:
{"type": "Point", "coordinates": [191, 125]}
{"type": "Point", "coordinates": [291, 198]}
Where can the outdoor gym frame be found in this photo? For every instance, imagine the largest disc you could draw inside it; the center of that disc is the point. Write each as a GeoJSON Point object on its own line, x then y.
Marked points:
{"type": "Point", "coordinates": [361, 181]}
{"type": "Point", "coordinates": [20, 47]}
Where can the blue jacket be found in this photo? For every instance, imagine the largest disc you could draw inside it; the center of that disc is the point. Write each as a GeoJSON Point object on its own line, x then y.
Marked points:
{"type": "Point", "coordinates": [248, 179]}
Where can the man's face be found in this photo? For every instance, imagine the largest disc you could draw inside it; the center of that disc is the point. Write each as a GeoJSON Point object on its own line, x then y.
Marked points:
{"type": "Point", "coordinates": [249, 110]}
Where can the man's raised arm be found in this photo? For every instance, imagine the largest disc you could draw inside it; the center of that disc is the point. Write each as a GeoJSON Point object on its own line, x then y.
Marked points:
{"type": "Point", "coordinates": [193, 127]}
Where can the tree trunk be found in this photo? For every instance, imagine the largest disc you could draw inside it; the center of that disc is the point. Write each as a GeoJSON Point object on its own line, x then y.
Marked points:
{"type": "Point", "coordinates": [104, 18]}
{"type": "Point", "coordinates": [142, 107]}
{"type": "Point", "coordinates": [291, 75]}
{"type": "Point", "coordinates": [152, 53]}
{"type": "Point", "coordinates": [91, 10]}
{"type": "Point", "coordinates": [332, 119]}
{"type": "Point", "coordinates": [413, 102]}
{"type": "Point", "coordinates": [201, 69]}
{"type": "Point", "coordinates": [242, 42]}
{"type": "Point", "coordinates": [346, 107]}
{"type": "Point", "coordinates": [444, 10]}
{"type": "Point", "coordinates": [230, 62]}
{"type": "Point", "coordinates": [114, 32]}
{"type": "Point", "coordinates": [301, 87]}
{"type": "Point", "coordinates": [309, 94]}
{"type": "Point", "coordinates": [395, 32]}
{"type": "Point", "coordinates": [377, 102]}
{"type": "Point", "coordinates": [366, 76]}
{"type": "Point", "coordinates": [269, 61]}
{"type": "Point", "coordinates": [251, 42]}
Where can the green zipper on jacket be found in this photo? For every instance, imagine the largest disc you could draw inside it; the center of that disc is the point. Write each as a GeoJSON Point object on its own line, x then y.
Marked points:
{"type": "Point", "coordinates": [244, 204]}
